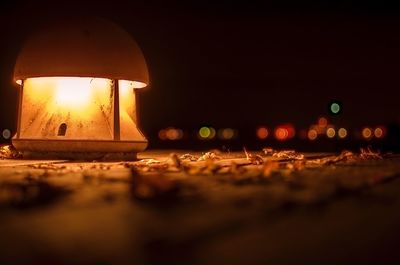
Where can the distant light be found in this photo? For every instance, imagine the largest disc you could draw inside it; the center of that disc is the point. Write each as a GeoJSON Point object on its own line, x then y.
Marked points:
{"type": "Point", "coordinates": [335, 107]}
{"type": "Point", "coordinates": [180, 134]}
{"type": "Point", "coordinates": [207, 133]}
{"type": "Point", "coordinates": [262, 133]}
{"type": "Point", "coordinates": [212, 133]}
{"type": "Point", "coordinates": [174, 134]}
{"type": "Point", "coordinates": [378, 132]}
{"type": "Point", "coordinates": [170, 133]}
{"type": "Point", "coordinates": [342, 132]}
{"type": "Point", "coordinates": [281, 134]}
{"type": "Point", "coordinates": [284, 132]}
{"type": "Point", "coordinates": [290, 129]}
{"type": "Point", "coordinates": [312, 134]}
{"type": "Point", "coordinates": [323, 122]}
{"type": "Point", "coordinates": [367, 133]}
{"type": "Point", "coordinates": [6, 134]}
{"type": "Point", "coordinates": [330, 132]}
{"type": "Point", "coordinates": [162, 134]}
{"type": "Point", "coordinates": [204, 132]}
{"type": "Point", "coordinates": [226, 133]}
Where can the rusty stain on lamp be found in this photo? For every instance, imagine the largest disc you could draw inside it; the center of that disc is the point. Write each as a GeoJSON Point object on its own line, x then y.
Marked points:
{"type": "Point", "coordinates": [78, 82]}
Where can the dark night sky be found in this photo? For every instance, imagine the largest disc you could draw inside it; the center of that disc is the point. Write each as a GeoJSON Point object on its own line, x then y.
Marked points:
{"type": "Point", "coordinates": [240, 64]}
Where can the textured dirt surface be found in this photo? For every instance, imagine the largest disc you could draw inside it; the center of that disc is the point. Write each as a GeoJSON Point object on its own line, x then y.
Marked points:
{"type": "Point", "coordinates": [264, 207]}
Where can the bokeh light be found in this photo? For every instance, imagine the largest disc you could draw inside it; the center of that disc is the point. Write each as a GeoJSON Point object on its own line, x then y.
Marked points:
{"type": "Point", "coordinates": [162, 134]}
{"type": "Point", "coordinates": [290, 129]}
{"type": "Point", "coordinates": [342, 133]}
{"type": "Point", "coordinates": [284, 132]}
{"type": "Point", "coordinates": [312, 134]}
{"type": "Point", "coordinates": [379, 132]}
{"type": "Point", "coordinates": [212, 133]}
{"type": "Point", "coordinates": [335, 107]}
{"type": "Point", "coordinates": [262, 133]}
{"type": "Point", "coordinates": [330, 132]}
{"type": "Point", "coordinates": [171, 134]}
{"type": "Point", "coordinates": [206, 133]}
{"type": "Point", "coordinates": [174, 134]}
{"type": "Point", "coordinates": [322, 122]}
{"type": "Point", "coordinates": [6, 134]}
{"type": "Point", "coordinates": [281, 134]}
{"type": "Point", "coordinates": [227, 133]}
{"type": "Point", "coordinates": [366, 133]}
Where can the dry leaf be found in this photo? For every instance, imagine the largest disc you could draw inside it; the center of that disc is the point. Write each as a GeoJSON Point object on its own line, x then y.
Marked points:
{"type": "Point", "coordinates": [288, 154]}
{"type": "Point", "coordinates": [9, 152]}
{"type": "Point", "coordinates": [209, 155]}
{"type": "Point", "coordinates": [189, 157]}
{"type": "Point", "coordinates": [254, 159]}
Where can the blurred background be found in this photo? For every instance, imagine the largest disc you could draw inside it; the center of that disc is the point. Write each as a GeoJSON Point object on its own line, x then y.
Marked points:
{"type": "Point", "coordinates": [315, 76]}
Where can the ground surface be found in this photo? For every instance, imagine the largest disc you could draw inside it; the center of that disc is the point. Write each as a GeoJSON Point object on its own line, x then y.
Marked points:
{"type": "Point", "coordinates": [270, 208]}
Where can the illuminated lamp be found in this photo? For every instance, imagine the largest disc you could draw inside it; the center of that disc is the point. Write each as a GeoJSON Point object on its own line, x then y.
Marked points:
{"type": "Point", "coordinates": [78, 82]}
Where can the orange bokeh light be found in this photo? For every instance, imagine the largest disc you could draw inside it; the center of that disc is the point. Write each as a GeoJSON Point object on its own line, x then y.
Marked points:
{"type": "Point", "coordinates": [367, 133]}
{"type": "Point", "coordinates": [379, 132]}
{"type": "Point", "coordinates": [342, 132]}
{"type": "Point", "coordinates": [162, 134]}
{"type": "Point", "coordinates": [170, 133]}
{"type": "Point", "coordinates": [312, 134]}
{"type": "Point", "coordinates": [262, 133]}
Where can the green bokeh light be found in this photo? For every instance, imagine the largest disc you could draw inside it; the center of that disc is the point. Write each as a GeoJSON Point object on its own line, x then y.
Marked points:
{"type": "Point", "coordinates": [335, 108]}
{"type": "Point", "coordinates": [204, 132]}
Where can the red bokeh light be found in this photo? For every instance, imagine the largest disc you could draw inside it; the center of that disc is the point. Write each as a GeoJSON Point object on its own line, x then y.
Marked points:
{"type": "Point", "coordinates": [284, 132]}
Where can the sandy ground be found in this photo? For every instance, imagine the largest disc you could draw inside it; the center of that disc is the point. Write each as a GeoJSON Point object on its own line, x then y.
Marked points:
{"type": "Point", "coordinates": [215, 208]}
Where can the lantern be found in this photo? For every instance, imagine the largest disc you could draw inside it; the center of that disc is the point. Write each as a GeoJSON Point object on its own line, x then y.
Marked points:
{"type": "Point", "coordinates": [78, 83]}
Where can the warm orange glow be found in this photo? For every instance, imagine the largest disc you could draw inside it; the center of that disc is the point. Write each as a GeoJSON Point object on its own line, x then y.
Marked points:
{"type": "Point", "coordinates": [71, 91]}
{"type": "Point", "coordinates": [83, 104]}
{"type": "Point", "coordinates": [330, 132]}
{"type": "Point", "coordinates": [172, 134]}
{"type": "Point", "coordinates": [312, 134]}
{"type": "Point", "coordinates": [367, 133]}
{"type": "Point", "coordinates": [378, 132]}
{"type": "Point", "coordinates": [127, 110]}
{"type": "Point", "coordinates": [19, 82]}
{"type": "Point", "coordinates": [262, 133]}
{"type": "Point", "coordinates": [133, 84]}
{"type": "Point", "coordinates": [342, 132]}
{"type": "Point", "coordinates": [226, 133]}
{"type": "Point", "coordinates": [162, 134]}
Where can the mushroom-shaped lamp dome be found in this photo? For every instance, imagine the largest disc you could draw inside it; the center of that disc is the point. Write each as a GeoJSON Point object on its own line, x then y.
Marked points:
{"type": "Point", "coordinates": [82, 48]}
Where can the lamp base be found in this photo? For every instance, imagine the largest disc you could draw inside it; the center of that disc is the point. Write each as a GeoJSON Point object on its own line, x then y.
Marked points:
{"type": "Point", "coordinates": [79, 149]}
{"type": "Point", "coordinates": [84, 156]}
